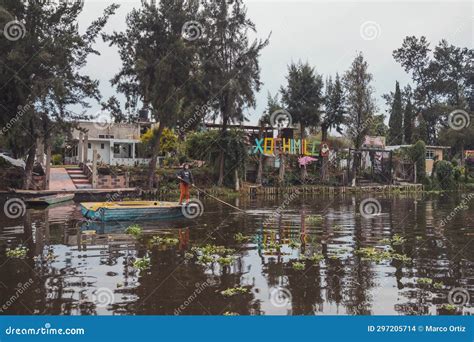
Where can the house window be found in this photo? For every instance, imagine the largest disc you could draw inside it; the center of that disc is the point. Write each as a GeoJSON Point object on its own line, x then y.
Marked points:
{"type": "Point", "coordinates": [102, 146]}
{"type": "Point", "coordinates": [89, 145]}
{"type": "Point", "coordinates": [116, 149]}
{"type": "Point", "coordinates": [106, 136]}
{"type": "Point", "coordinates": [430, 154]}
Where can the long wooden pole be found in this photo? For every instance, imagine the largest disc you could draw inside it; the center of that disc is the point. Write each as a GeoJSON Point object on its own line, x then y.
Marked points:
{"type": "Point", "coordinates": [217, 199]}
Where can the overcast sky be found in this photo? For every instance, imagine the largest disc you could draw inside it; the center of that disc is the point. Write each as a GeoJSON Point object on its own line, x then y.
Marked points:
{"type": "Point", "coordinates": [327, 34]}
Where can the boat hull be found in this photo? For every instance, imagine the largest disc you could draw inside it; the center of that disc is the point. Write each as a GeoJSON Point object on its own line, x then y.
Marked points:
{"type": "Point", "coordinates": [48, 200]}
{"type": "Point", "coordinates": [106, 214]}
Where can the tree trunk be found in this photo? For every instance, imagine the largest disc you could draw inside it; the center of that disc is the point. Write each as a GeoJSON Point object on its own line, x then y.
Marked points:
{"type": "Point", "coordinates": [281, 171]}
{"type": "Point", "coordinates": [237, 182]}
{"type": "Point", "coordinates": [47, 165]}
{"type": "Point", "coordinates": [220, 182]}
{"type": "Point", "coordinates": [154, 157]}
{"type": "Point", "coordinates": [30, 161]}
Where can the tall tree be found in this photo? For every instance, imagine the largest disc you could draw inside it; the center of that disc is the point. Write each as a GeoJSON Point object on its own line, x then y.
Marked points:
{"type": "Point", "coordinates": [303, 98]}
{"type": "Point", "coordinates": [158, 63]}
{"type": "Point", "coordinates": [395, 124]}
{"type": "Point", "coordinates": [334, 105]}
{"type": "Point", "coordinates": [442, 79]}
{"type": "Point", "coordinates": [42, 56]}
{"type": "Point", "coordinates": [408, 122]}
{"type": "Point", "coordinates": [230, 64]}
{"type": "Point", "coordinates": [360, 103]}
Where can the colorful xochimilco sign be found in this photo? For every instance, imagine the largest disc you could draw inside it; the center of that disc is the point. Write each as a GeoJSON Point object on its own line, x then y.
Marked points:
{"type": "Point", "coordinates": [275, 146]}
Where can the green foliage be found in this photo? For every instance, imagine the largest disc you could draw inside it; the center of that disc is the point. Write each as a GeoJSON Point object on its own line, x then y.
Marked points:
{"type": "Point", "coordinates": [443, 173]}
{"type": "Point", "coordinates": [239, 237]}
{"type": "Point", "coordinates": [142, 263]}
{"type": "Point", "coordinates": [395, 136]}
{"type": "Point", "coordinates": [303, 97]}
{"type": "Point", "coordinates": [359, 100]}
{"type": "Point", "coordinates": [417, 154]}
{"type": "Point", "coordinates": [298, 266]}
{"type": "Point", "coordinates": [57, 159]}
{"type": "Point", "coordinates": [17, 253]}
{"type": "Point", "coordinates": [233, 291]}
{"type": "Point", "coordinates": [424, 281]}
{"type": "Point", "coordinates": [135, 230]}
{"type": "Point", "coordinates": [168, 140]}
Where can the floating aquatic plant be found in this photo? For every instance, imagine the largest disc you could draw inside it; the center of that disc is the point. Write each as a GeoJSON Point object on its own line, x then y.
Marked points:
{"type": "Point", "coordinates": [449, 307]}
{"type": "Point", "coordinates": [377, 255]}
{"type": "Point", "coordinates": [298, 266]}
{"type": "Point", "coordinates": [142, 263]}
{"type": "Point", "coordinates": [315, 219]}
{"type": "Point", "coordinates": [135, 230]}
{"type": "Point", "coordinates": [396, 240]}
{"type": "Point", "coordinates": [315, 257]}
{"type": "Point", "coordinates": [230, 292]}
{"type": "Point", "coordinates": [188, 256]}
{"type": "Point", "coordinates": [239, 237]}
{"type": "Point", "coordinates": [230, 313]}
{"type": "Point", "coordinates": [438, 285]}
{"type": "Point", "coordinates": [424, 281]}
{"type": "Point", "coordinates": [225, 261]}
{"type": "Point", "coordinates": [17, 253]}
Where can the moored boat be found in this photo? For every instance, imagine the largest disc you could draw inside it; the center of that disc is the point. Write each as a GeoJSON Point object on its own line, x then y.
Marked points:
{"type": "Point", "coordinates": [131, 210]}
{"type": "Point", "coordinates": [48, 200]}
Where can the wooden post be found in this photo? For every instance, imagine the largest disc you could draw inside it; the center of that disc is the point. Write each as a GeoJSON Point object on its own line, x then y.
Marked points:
{"type": "Point", "coordinates": [47, 171]}
{"type": "Point", "coordinates": [94, 169]}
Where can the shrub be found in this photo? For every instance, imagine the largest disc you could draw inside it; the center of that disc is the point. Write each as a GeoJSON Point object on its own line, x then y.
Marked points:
{"type": "Point", "coordinates": [57, 159]}
{"type": "Point", "coordinates": [444, 174]}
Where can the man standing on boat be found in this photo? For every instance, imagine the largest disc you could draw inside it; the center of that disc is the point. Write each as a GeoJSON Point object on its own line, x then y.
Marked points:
{"type": "Point", "coordinates": [186, 178]}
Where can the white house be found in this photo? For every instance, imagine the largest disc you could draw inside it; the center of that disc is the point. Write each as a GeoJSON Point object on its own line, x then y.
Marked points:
{"type": "Point", "coordinates": [116, 143]}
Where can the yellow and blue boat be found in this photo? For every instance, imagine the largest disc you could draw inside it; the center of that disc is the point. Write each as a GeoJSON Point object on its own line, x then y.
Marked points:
{"type": "Point", "coordinates": [131, 210]}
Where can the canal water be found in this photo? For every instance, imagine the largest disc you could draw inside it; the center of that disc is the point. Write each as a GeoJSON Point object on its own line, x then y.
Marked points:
{"type": "Point", "coordinates": [297, 255]}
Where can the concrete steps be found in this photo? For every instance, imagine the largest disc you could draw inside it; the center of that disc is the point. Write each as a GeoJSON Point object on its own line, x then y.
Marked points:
{"type": "Point", "coordinates": [80, 180]}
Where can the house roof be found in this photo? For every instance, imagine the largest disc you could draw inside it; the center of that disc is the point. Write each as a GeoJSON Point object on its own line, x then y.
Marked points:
{"type": "Point", "coordinates": [395, 147]}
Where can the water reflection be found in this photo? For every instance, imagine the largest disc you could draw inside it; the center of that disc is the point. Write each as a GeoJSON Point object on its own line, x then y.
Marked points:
{"type": "Point", "coordinates": [86, 268]}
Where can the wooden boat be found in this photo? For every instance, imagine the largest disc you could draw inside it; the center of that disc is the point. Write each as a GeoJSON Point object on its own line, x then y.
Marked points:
{"type": "Point", "coordinates": [48, 200]}
{"type": "Point", "coordinates": [131, 210]}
